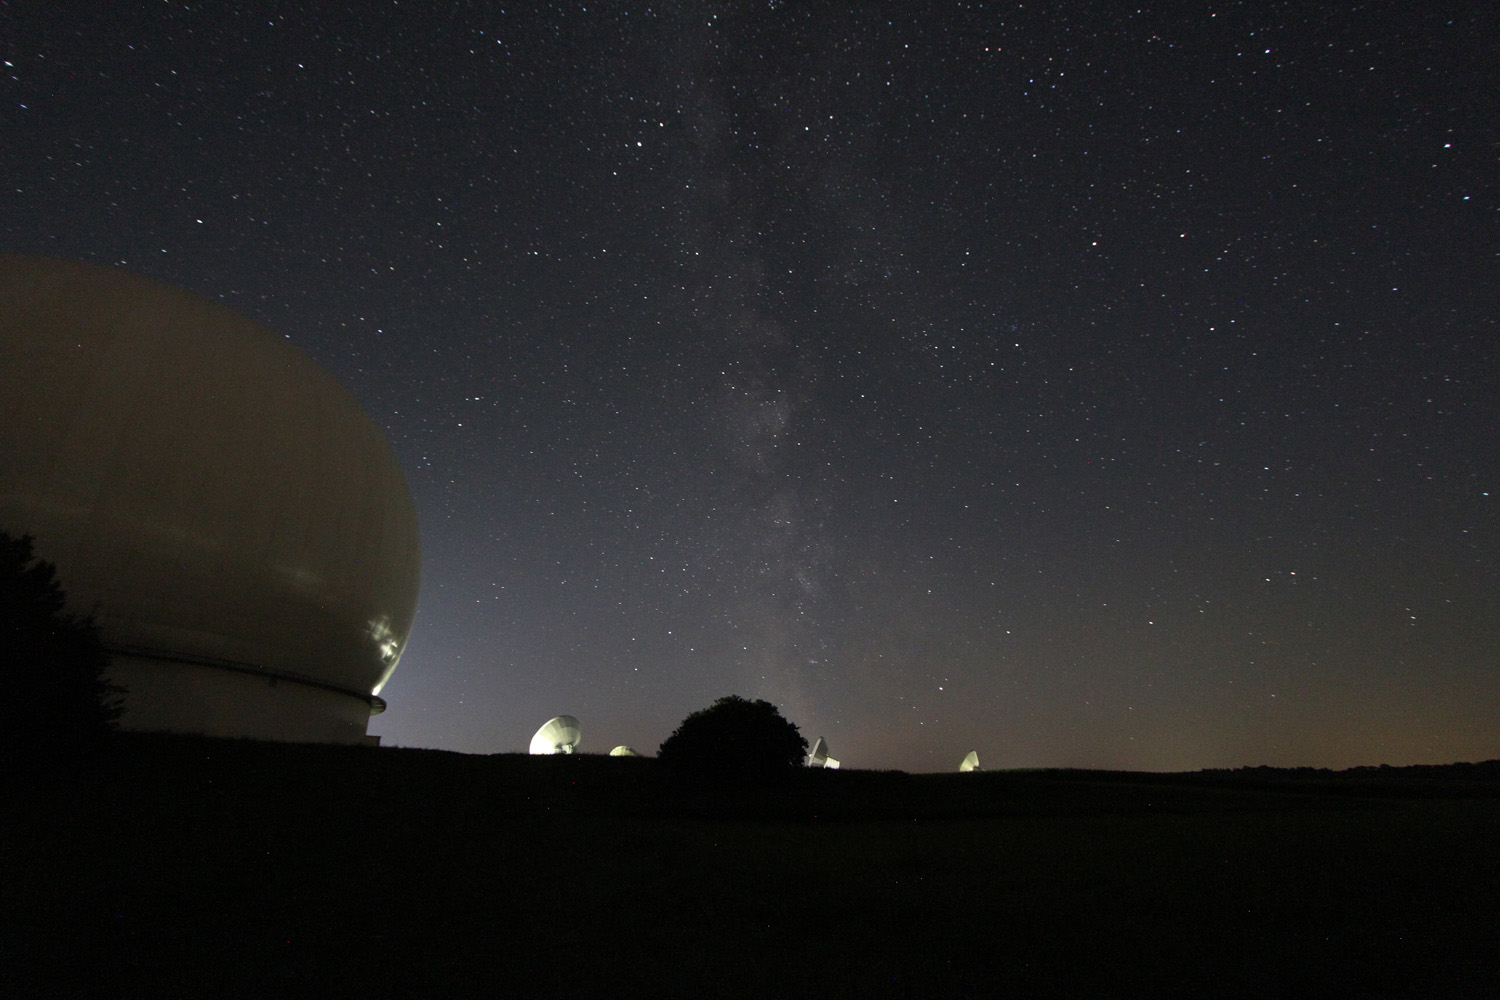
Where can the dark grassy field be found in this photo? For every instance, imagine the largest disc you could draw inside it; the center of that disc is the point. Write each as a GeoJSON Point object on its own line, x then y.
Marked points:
{"type": "Point", "coordinates": [233, 869]}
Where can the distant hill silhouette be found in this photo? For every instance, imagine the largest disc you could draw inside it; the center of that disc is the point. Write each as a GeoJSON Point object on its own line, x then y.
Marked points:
{"type": "Point", "coordinates": [195, 867]}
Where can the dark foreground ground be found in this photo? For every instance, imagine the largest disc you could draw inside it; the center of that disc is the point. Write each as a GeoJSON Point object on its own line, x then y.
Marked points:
{"type": "Point", "coordinates": [207, 869]}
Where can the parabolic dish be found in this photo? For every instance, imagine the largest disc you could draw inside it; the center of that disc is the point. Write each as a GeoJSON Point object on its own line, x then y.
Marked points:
{"type": "Point", "coordinates": [557, 735]}
{"type": "Point", "coordinates": [623, 751]}
{"type": "Point", "coordinates": [971, 762]}
{"type": "Point", "coordinates": [818, 755]}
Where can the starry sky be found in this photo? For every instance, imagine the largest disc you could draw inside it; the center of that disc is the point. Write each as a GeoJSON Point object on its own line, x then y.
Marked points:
{"type": "Point", "coordinates": [1079, 385]}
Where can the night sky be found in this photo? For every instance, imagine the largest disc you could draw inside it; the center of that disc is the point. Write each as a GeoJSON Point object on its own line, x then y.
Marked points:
{"type": "Point", "coordinates": [1080, 386]}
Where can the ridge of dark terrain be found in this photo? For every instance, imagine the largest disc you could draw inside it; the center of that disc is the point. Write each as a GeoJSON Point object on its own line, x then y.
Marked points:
{"type": "Point", "coordinates": [195, 867]}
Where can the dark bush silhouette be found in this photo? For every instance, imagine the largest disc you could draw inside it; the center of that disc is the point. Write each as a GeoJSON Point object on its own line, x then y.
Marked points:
{"type": "Point", "coordinates": [735, 738]}
{"type": "Point", "coordinates": [52, 665]}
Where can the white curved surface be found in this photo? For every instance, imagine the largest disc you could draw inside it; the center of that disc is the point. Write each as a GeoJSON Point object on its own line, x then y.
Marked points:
{"type": "Point", "coordinates": [560, 734]}
{"type": "Point", "coordinates": [818, 755]}
{"type": "Point", "coordinates": [211, 494]}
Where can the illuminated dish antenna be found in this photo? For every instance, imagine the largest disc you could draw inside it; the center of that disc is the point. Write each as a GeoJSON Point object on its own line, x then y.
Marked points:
{"type": "Point", "coordinates": [819, 755]}
{"type": "Point", "coordinates": [623, 751]}
{"type": "Point", "coordinates": [558, 735]}
{"type": "Point", "coordinates": [971, 762]}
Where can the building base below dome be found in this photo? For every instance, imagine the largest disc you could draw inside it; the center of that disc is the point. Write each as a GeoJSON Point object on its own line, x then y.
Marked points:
{"type": "Point", "coordinates": [168, 696]}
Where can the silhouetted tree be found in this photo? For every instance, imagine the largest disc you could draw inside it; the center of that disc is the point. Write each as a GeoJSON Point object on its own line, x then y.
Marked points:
{"type": "Point", "coordinates": [735, 738]}
{"type": "Point", "coordinates": [54, 697]}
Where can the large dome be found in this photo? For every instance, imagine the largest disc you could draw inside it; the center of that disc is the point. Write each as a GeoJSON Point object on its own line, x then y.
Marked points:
{"type": "Point", "coordinates": [234, 520]}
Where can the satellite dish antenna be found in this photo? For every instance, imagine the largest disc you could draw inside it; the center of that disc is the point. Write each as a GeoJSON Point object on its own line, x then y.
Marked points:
{"type": "Point", "coordinates": [971, 762]}
{"type": "Point", "coordinates": [557, 735]}
{"type": "Point", "coordinates": [819, 755]}
{"type": "Point", "coordinates": [623, 751]}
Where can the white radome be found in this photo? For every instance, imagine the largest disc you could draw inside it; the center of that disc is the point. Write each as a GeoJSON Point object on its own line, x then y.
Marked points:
{"type": "Point", "coordinates": [237, 524]}
{"type": "Point", "coordinates": [559, 734]}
